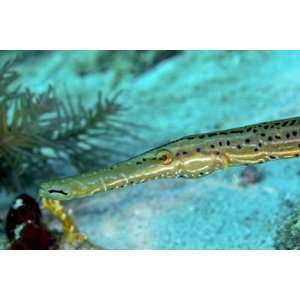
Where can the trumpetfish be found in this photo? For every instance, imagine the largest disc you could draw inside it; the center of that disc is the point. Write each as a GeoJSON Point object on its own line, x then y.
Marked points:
{"type": "Point", "coordinates": [188, 157]}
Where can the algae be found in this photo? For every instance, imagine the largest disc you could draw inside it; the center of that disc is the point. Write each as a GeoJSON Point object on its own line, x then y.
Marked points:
{"type": "Point", "coordinates": [39, 129]}
{"type": "Point", "coordinates": [288, 234]}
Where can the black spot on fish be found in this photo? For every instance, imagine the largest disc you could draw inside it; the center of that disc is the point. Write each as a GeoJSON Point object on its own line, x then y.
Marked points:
{"type": "Point", "coordinates": [247, 141]}
{"type": "Point", "coordinates": [212, 134]}
{"type": "Point", "coordinates": [236, 131]}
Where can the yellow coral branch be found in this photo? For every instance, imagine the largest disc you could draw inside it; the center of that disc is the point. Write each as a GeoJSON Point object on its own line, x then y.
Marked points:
{"type": "Point", "coordinates": [71, 234]}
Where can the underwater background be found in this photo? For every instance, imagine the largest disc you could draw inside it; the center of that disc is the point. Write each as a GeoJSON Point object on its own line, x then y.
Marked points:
{"type": "Point", "coordinates": [164, 96]}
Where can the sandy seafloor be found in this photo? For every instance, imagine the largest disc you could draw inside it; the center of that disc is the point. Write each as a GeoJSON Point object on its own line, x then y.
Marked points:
{"type": "Point", "coordinates": [191, 92]}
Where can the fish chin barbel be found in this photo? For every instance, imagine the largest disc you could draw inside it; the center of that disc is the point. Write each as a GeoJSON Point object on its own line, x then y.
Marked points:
{"type": "Point", "coordinates": [189, 157]}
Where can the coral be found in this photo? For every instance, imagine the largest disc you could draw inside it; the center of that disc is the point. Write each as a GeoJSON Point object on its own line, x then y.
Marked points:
{"type": "Point", "coordinates": [37, 129]}
{"type": "Point", "coordinates": [71, 237]}
{"type": "Point", "coordinates": [24, 227]}
{"type": "Point", "coordinates": [26, 230]}
{"type": "Point", "coordinates": [288, 235]}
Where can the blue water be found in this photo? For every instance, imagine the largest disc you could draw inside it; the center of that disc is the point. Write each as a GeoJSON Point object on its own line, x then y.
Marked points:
{"type": "Point", "coordinates": [191, 92]}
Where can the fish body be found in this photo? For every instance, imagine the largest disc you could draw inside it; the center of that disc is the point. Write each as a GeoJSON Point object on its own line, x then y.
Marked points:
{"type": "Point", "coordinates": [189, 157]}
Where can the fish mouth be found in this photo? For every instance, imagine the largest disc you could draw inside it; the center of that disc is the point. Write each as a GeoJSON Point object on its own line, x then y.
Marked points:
{"type": "Point", "coordinates": [58, 191]}
{"type": "Point", "coordinates": [52, 192]}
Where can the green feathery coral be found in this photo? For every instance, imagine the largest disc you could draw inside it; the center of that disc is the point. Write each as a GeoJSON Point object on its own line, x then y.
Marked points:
{"type": "Point", "coordinates": [36, 129]}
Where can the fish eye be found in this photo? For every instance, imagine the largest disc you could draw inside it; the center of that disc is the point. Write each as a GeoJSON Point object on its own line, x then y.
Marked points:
{"type": "Point", "coordinates": [58, 192]}
{"type": "Point", "coordinates": [164, 156]}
